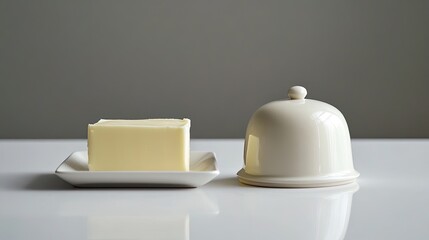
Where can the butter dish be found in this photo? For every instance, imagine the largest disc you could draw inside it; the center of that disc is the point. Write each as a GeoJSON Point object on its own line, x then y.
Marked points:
{"type": "Point", "coordinates": [74, 170]}
{"type": "Point", "coordinates": [297, 143]}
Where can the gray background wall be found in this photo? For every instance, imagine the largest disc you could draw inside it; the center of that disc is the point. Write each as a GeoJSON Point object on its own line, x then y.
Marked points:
{"type": "Point", "coordinates": [64, 64]}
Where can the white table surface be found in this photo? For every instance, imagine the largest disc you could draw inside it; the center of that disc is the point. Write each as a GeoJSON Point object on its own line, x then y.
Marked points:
{"type": "Point", "coordinates": [389, 201]}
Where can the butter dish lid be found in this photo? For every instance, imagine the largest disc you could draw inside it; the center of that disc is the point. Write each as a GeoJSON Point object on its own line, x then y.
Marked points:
{"type": "Point", "coordinates": [297, 143]}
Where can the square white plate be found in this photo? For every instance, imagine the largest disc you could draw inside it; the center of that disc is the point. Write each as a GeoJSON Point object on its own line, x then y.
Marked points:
{"type": "Point", "coordinates": [74, 170]}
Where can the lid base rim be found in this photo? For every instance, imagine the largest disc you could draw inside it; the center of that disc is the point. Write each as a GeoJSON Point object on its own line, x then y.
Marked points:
{"type": "Point", "coordinates": [284, 182]}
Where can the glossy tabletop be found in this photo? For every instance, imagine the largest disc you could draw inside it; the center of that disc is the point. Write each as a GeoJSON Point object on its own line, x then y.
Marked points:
{"type": "Point", "coordinates": [389, 201]}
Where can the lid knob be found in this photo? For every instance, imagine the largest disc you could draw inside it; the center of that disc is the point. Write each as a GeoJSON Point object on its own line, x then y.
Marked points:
{"type": "Point", "coordinates": [297, 92]}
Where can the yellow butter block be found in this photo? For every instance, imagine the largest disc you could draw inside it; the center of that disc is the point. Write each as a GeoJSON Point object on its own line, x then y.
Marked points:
{"type": "Point", "coordinates": [139, 145]}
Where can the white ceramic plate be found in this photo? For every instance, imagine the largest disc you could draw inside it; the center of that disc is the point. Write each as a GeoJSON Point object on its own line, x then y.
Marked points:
{"type": "Point", "coordinates": [74, 170]}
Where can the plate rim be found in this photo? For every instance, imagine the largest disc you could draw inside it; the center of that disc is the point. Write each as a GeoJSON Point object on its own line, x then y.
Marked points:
{"type": "Point", "coordinates": [138, 179]}
{"type": "Point", "coordinates": [215, 165]}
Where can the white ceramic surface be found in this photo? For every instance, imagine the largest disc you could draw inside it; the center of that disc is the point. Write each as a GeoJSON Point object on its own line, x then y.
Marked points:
{"type": "Point", "coordinates": [391, 203]}
{"type": "Point", "coordinates": [297, 143]}
{"type": "Point", "coordinates": [74, 170]}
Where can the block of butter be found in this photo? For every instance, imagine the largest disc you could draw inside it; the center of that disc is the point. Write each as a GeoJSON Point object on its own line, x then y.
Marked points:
{"type": "Point", "coordinates": [139, 145]}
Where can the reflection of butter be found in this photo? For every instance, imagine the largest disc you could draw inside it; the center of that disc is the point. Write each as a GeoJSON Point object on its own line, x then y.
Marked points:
{"type": "Point", "coordinates": [139, 227]}
{"type": "Point", "coordinates": [252, 154]}
{"type": "Point", "coordinates": [139, 145]}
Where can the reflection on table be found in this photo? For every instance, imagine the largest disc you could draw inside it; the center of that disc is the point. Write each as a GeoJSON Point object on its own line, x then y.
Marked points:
{"type": "Point", "coordinates": [152, 217]}
{"type": "Point", "coordinates": [288, 213]}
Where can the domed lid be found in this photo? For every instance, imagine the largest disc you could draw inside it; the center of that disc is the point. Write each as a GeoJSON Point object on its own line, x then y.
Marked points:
{"type": "Point", "coordinates": [298, 108]}
{"type": "Point", "coordinates": [298, 142]}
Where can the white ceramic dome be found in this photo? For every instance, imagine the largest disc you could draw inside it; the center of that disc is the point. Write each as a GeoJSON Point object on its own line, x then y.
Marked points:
{"type": "Point", "coordinates": [297, 143]}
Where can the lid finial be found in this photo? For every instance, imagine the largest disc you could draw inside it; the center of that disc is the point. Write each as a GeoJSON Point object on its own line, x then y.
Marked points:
{"type": "Point", "coordinates": [297, 92]}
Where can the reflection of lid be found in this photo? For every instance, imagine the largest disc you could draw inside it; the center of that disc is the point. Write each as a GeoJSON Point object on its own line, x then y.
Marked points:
{"type": "Point", "coordinates": [316, 213]}
{"type": "Point", "coordinates": [299, 140]}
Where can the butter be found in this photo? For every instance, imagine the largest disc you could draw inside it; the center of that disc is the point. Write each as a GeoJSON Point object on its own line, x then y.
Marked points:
{"type": "Point", "coordinates": [139, 145]}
